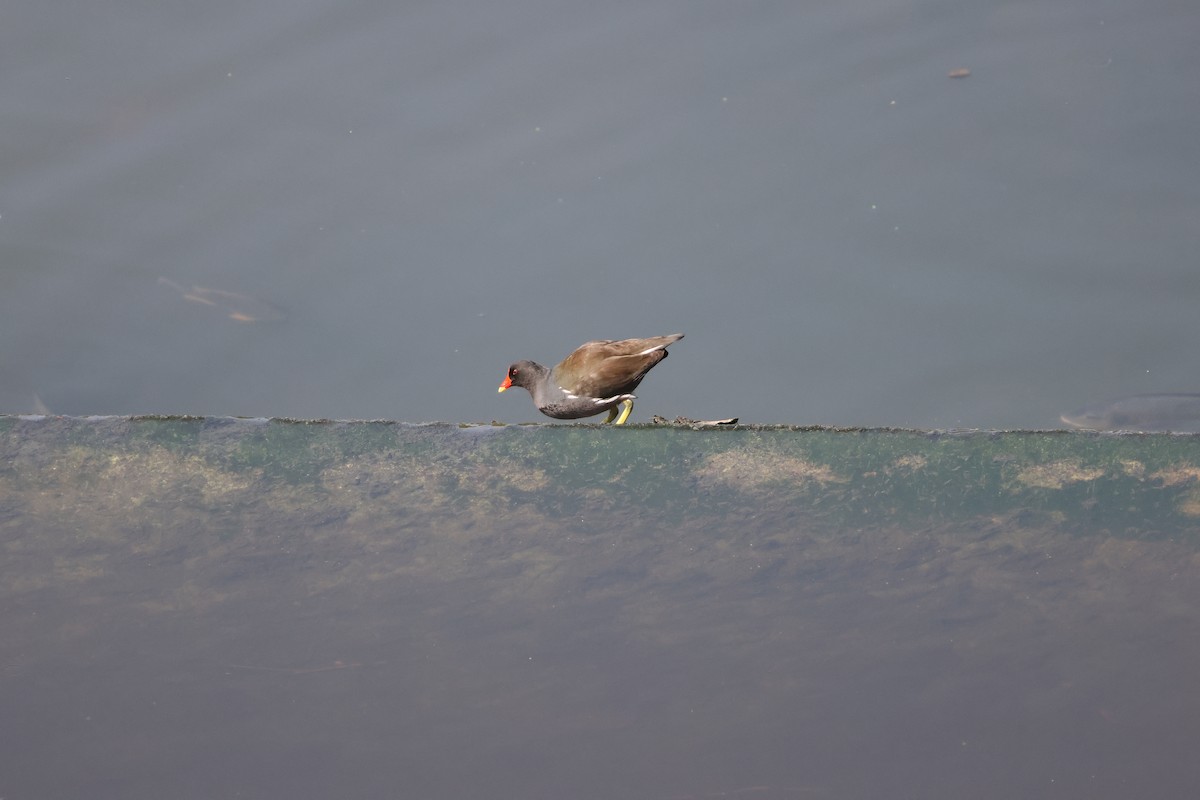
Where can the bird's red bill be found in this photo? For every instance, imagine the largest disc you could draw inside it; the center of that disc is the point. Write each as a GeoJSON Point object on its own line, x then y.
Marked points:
{"type": "Point", "coordinates": [507, 383]}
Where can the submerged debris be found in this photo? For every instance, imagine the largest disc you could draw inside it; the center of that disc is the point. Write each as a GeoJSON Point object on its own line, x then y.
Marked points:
{"type": "Point", "coordinates": [1176, 411]}
{"type": "Point", "coordinates": [239, 307]}
{"type": "Point", "coordinates": [695, 423]}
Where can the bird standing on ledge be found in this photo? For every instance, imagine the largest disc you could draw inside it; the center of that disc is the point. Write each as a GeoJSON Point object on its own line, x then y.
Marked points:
{"type": "Point", "coordinates": [599, 376]}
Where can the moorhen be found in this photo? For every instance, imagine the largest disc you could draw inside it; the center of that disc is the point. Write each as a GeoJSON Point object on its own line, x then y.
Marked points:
{"type": "Point", "coordinates": [598, 376]}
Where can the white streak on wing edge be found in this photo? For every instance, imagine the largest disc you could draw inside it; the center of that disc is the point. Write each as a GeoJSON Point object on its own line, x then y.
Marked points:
{"type": "Point", "coordinates": [652, 349]}
{"type": "Point", "coordinates": [616, 398]}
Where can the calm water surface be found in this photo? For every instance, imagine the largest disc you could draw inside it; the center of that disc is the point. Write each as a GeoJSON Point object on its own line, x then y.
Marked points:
{"type": "Point", "coordinates": [427, 193]}
{"type": "Point", "coordinates": [935, 663]}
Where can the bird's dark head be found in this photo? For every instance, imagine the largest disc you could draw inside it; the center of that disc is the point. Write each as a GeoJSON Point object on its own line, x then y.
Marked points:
{"type": "Point", "coordinates": [523, 374]}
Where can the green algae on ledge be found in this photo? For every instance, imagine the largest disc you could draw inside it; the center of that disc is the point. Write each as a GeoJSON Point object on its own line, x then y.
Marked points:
{"type": "Point", "coordinates": [1144, 485]}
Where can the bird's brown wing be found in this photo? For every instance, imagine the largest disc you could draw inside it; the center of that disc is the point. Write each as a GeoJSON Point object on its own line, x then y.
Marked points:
{"type": "Point", "coordinates": [606, 368]}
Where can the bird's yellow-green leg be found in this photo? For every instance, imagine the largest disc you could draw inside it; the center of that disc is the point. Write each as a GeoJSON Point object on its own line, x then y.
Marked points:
{"type": "Point", "coordinates": [626, 406]}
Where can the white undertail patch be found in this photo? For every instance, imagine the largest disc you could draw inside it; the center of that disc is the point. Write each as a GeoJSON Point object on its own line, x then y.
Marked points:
{"type": "Point", "coordinates": [616, 398]}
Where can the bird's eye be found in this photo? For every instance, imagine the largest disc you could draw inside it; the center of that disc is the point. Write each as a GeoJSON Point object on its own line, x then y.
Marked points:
{"type": "Point", "coordinates": [512, 373]}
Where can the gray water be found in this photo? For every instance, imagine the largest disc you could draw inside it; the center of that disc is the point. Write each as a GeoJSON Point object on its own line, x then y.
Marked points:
{"type": "Point", "coordinates": [430, 191]}
{"type": "Point", "coordinates": [200, 608]}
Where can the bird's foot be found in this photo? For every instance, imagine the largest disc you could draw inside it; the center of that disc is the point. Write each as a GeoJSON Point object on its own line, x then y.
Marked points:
{"type": "Point", "coordinates": [620, 412]}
